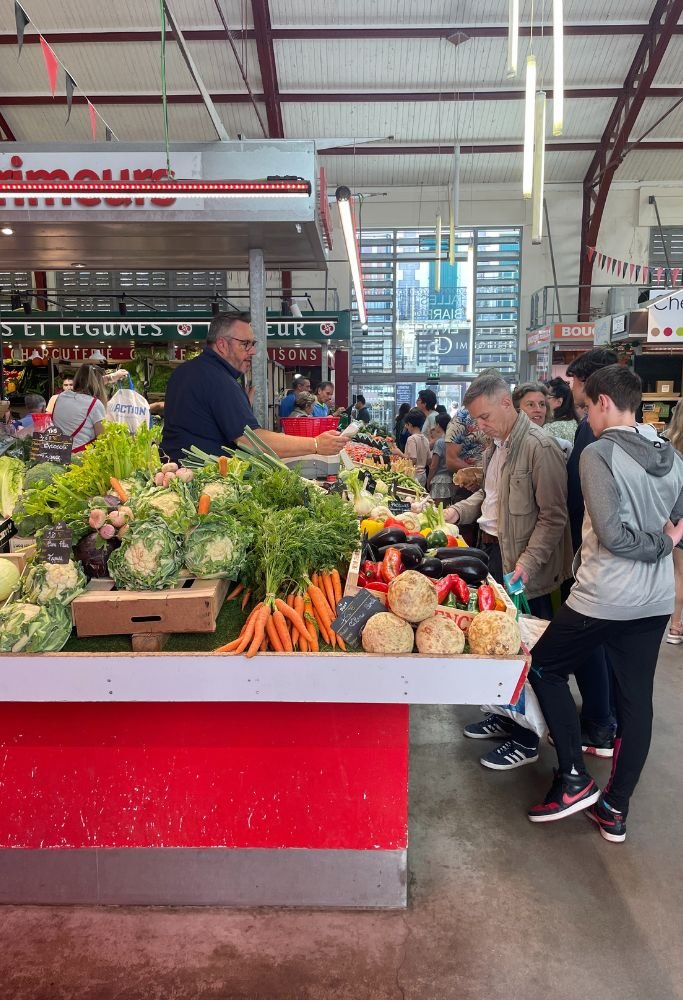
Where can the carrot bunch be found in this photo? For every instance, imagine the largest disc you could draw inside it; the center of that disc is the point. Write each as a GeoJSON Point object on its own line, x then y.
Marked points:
{"type": "Point", "coordinates": [284, 626]}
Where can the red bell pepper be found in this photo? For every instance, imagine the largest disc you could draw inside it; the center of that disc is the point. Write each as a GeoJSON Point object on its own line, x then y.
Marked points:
{"type": "Point", "coordinates": [460, 589]}
{"type": "Point", "coordinates": [393, 522]}
{"type": "Point", "coordinates": [371, 570]}
{"type": "Point", "coordinates": [378, 586]}
{"type": "Point", "coordinates": [443, 588]}
{"type": "Point", "coordinates": [452, 542]}
{"type": "Point", "coordinates": [486, 598]}
{"type": "Point", "coordinates": [392, 565]}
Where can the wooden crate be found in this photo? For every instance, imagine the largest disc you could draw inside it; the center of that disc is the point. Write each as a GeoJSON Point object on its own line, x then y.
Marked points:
{"type": "Point", "coordinates": [149, 616]}
{"type": "Point", "coordinates": [465, 617]}
{"type": "Point", "coordinates": [17, 558]}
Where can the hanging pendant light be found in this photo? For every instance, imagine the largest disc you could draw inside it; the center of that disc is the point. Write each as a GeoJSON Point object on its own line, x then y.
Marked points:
{"type": "Point", "coordinates": [529, 114]}
{"type": "Point", "coordinates": [558, 68]}
{"type": "Point", "coordinates": [343, 196]}
{"type": "Point", "coordinates": [454, 214]}
{"type": "Point", "coordinates": [513, 37]}
{"type": "Point", "coordinates": [539, 169]}
{"type": "Point", "coordinates": [437, 262]}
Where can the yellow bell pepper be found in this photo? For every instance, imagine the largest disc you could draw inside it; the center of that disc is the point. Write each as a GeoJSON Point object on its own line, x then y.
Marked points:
{"type": "Point", "coordinates": [461, 543]}
{"type": "Point", "coordinates": [370, 526]}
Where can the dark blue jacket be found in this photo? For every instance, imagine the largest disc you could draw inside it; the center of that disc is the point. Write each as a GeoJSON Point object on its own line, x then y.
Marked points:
{"type": "Point", "coordinates": [583, 437]}
{"type": "Point", "coordinates": [205, 405]}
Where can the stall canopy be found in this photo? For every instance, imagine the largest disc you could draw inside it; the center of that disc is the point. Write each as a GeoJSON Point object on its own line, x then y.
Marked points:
{"type": "Point", "coordinates": [159, 230]}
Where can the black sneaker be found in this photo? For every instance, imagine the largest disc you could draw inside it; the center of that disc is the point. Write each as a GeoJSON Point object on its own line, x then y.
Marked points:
{"type": "Point", "coordinates": [612, 824]}
{"type": "Point", "coordinates": [598, 741]}
{"type": "Point", "coordinates": [570, 793]}
{"type": "Point", "coordinates": [508, 756]}
{"type": "Point", "coordinates": [490, 728]}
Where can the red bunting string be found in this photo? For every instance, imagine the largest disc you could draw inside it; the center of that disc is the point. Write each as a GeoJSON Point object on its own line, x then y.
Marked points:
{"type": "Point", "coordinates": [51, 64]}
{"type": "Point", "coordinates": [638, 273]}
{"type": "Point", "coordinates": [93, 121]}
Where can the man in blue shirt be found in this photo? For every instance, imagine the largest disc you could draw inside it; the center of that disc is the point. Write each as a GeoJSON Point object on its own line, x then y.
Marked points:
{"type": "Point", "coordinates": [206, 405]}
{"type": "Point", "coordinates": [300, 384]}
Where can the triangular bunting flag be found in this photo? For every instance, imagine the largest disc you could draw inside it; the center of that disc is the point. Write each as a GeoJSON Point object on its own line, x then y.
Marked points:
{"type": "Point", "coordinates": [591, 253]}
{"type": "Point", "coordinates": [107, 134]}
{"type": "Point", "coordinates": [659, 274]}
{"type": "Point", "coordinates": [631, 268]}
{"type": "Point", "coordinates": [675, 271]}
{"type": "Point", "coordinates": [22, 19]}
{"type": "Point", "coordinates": [93, 120]}
{"type": "Point", "coordinates": [614, 264]}
{"type": "Point", "coordinates": [601, 260]}
{"type": "Point", "coordinates": [70, 87]}
{"type": "Point", "coordinates": [609, 263]}
{"type": "Point", "coordinates": [636, 271]}
{"type": "Point", "coordinates": [646, 273]}
{"type": "Point", "coordinates": [51, 64]}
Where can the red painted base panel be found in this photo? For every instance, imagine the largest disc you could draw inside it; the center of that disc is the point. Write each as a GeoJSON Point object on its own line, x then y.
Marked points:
{"type": "Point", "coordinates": [204, 775]}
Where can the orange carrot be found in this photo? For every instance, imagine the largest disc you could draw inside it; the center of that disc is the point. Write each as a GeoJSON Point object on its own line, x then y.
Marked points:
{"type": "Point", "coordinates": [273, 635]}
{"type": "Point", "coordinates": [259, 630]}
{"type": "Point", "coordinates": [245, 599]}
{"type": "Point", "coordinates": [340, 642]}
{"type": "Point", "coordinates": [204, 504]}
{"type": "Point", "coordinates": [321, 611]}
{"type": "Point", "coordinates": [223, 465]}
{"type": "Point", "coordinates": [235, 591]}
{"type": "Point", "coordinates": [246, 636]}
{"type": "Point", "coordinates": [229, 647]}
{"type": "Point", "coordinates": [315, 579]}
{"type": "Point", "coordinates": [303, 636]}
{"type": "Point", "coordinates": [328, 590]}
{"type": "Point", "coordinates": [264, 646]}
{"type": "Point", "coordinates": [281, 626]}
{"type": "Point", "coordinates": [118, 489]}
{"type": "Point", "coordinates": [310, 625]}
{"type": "Point", "coordinates": [337, 586]}
{"type": "Point", "coordinates": [291, 615]}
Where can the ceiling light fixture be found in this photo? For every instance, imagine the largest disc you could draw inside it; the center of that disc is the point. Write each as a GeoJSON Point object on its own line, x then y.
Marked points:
{"type": "Point", "coordinates": [156, 189]}
{"type": "Point", "coordinates": [77, 265]}
{"type": "Point", "coordinates": [7, 231]}
{"type": "Point", "coordinates": [558, 68]}
{"type": "Point", "coordinates": [529, 116]}
{"type": "Point", "coordinates": [457, 38]}
{"type": "Point", "coordinates": [513, 37]}
{"type": "Point", "coordinates": [343, 196]}
{"type": "Point", "coordinates": [437, 255]}
{"type": "Point", "coordinates": [539, 169]}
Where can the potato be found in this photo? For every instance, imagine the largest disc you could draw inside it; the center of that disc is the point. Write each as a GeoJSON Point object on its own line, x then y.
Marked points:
{"type": "Point", "coordinates": [385, 633]}
{"type": "Point", "coordinates": [494, 633]}
{"type": "Point", "coordinates": [412, 596]}
{"type": "Point", "coordinates": [439, 635]}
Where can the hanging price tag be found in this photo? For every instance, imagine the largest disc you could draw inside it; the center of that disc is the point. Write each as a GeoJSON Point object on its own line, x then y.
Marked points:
{"type": "Point", "coordinates": [51, 446]}
{"type": "Point", "coordinates": [56, 544]}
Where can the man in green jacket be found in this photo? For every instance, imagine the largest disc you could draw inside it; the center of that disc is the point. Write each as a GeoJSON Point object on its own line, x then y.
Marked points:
{"type": "Point", "coordinates": [524, 528]}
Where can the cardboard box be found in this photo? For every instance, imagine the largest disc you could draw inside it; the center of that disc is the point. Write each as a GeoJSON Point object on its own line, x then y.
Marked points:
{"type": "Point", "coordinates": [665, 387]}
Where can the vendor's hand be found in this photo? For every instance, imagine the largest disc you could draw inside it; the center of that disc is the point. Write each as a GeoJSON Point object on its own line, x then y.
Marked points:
{"type": "Point", "coordinates": [451, 515]}
{"type": "Point", "coordinates": [674, 531]}
{"type": "Point", "coordinates": [520, 574]}
{"type": "Point", "coordinates": [330, 442]}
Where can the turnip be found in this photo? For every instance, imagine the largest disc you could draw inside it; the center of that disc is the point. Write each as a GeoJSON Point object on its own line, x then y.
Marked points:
{"type": "Point", "coordinates": [107, 531]}
{"type": "Point", "coordinates": [159, 479]}
{"type": "Point", "coordinates": [170, 467]}
{"type": "Point", "coordinates": [185, 475]}
{"type": "Point", "coordinates": [96, 518]}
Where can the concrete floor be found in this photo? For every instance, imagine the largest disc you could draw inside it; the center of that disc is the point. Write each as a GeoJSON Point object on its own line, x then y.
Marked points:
{"type": "Point", "coordinates": [499, 908]}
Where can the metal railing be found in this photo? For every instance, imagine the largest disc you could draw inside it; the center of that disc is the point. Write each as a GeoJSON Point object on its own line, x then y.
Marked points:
{"type": "Point", "coordinates": [559, 303]}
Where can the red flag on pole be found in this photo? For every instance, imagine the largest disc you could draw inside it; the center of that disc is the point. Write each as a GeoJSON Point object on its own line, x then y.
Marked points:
{"type": "Point", "coordinates": [51, 64]}
{"type": "Point", "coordinates": [93, 121]}
{"type": "Point", "coordinates": [591, 253]}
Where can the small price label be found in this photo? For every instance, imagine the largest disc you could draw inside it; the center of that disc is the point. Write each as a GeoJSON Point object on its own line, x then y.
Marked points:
{"type": "Point", "coordinates": [353, 613]}
{"type": "Point", "coordinates": [56, 544]}
{"type": "Point", "coordinates": [398, 507]}
{"type": "Point", "coordinates": [51, 446]}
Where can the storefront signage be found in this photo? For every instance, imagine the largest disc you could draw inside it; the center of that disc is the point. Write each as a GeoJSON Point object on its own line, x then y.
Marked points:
{"type": "Point", "coordinates": [292, 357]}
{"type": "Point", "coordinates": [573, 331]}
{"type": "Point", "coordinates": [618, 324]}
{"type": "Point", "coordinates": [109, 166]}
{"type": "Point", "coordinates": [319, 327]}
{"type": "Point", "coordinates": [436, 348]}
{"type": "Point", "coordinates": [535, 338]}
{"type": "Point", "coordinates": [665, 320]}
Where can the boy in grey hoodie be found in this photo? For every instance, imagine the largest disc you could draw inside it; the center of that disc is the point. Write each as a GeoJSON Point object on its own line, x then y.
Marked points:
{"type": "Point", "coordinates": [622, 597]}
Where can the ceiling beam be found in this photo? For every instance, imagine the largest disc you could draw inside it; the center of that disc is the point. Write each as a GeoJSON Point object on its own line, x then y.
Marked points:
{"type": "Point", "coordinates": [302, 33]}
{"type": "Point", "coordinates": [328, 97]}
{"type": "Point", "coordinates": [561, 146]}
{"type": "Point", "coordinates": [614, 143]}
{"type": "Point", "coordinates": [266, 59]}
{"type": "Point", "coordinates": [8, 135]}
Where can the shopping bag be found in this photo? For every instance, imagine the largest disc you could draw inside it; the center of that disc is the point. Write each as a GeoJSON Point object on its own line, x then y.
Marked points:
{"type": "Point", "coordinates": [128, 407]}
{"type": "Point", "coordinates": [525, 710]}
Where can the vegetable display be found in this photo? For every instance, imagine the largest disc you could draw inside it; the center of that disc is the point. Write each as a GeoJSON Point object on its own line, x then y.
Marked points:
{"type": "Point", "coordinates": [149, 558]}
{"type": "Point", "coordinates": [34, 628]}
{"type": "Point", "coordinates": [216, 547]}
{"type": "Point", "coordinates": [172, 503]}
{"type": "Point", "coordinates": [11, 478]}
{"type": "Point", "coordinates": [9, 578]}
{"type": "Point", "coordinates": [493, 633]}
{"type": "Point", "coordinates": [45, 582]}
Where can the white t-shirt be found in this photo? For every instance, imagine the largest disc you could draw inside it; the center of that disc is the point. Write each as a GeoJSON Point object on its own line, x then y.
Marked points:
{"type": "Point", "coordinates": [70, 411]}
{"type": "Point", "coordinates": [488, 519]}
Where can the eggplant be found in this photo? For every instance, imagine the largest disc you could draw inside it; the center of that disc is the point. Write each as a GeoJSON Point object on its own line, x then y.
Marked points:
{"type": "Point", "coordinates": [433, 568]}
{"type": "Point", "coordinates": [470, 569]}
{"type": "Point", "coordinates": [411, 555]}
{"type": "Point", "coordinates": [454, 553]}
{"type": "Point", "coordinates": [387, 536]}
{"type": "Point", "coordinates": [414, 539]}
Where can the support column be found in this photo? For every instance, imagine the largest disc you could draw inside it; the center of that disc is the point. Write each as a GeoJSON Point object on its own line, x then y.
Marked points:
{"type": "Point", "coordinates": [259, 365]}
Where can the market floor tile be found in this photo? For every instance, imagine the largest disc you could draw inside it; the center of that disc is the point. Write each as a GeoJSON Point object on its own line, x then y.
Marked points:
{"type": "Point", "coordinates": [498, 907]}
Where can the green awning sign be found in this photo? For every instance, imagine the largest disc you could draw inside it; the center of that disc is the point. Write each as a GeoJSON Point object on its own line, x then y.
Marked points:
{"type": "Point", "coordinates": [317, 327]}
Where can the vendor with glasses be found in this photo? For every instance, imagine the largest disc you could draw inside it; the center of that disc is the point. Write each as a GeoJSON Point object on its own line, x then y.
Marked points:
{"type": "Point", "coordinates": [206, 405]}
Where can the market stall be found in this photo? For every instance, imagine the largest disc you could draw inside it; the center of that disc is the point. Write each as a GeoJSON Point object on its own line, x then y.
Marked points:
{"type": "Point", "coordinates": [552, 348]}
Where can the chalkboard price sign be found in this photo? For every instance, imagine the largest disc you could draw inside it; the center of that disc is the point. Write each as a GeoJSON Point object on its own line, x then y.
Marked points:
{"type": "Point", "coordinates": [56, 543]}
{"type": "Point", "coordinates": [51, 446]}
{"type": "Point", "coordinates": [353, 613]}
{"type": "Point", "coordinates": [398, 507]}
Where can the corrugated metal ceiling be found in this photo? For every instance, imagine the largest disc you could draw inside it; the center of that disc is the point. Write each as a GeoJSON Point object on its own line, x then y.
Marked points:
{"type": "Point", "coordinates": [123, 69]}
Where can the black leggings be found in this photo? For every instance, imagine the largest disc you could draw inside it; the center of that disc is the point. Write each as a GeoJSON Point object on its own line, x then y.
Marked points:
{"type": "Point", "coordinates": [633, 649]}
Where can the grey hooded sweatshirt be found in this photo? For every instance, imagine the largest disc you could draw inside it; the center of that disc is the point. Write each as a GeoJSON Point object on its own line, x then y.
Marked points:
{"type": "Point", "coordinates": [632, 485]}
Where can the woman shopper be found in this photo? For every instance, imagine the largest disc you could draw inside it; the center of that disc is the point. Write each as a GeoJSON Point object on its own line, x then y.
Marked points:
{"type": "Point", "coordinates": [400, 437]}
{"type": "Point", "coordinates": [562, 422]}
{"type": "Point", "coordinates": [79, 412]}
{"type": "Point", "coordinates": [303, 404]}
{"type": "Point", "coordinates": [439, 479]}
{"type": "Point", "coordinates": [532, 398]}
{"type": "Point", "coordinates": [674, 434]}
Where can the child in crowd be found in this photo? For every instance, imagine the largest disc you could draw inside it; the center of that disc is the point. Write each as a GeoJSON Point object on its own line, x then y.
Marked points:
{"type": "Point", "coordinates": [622, 597]}
{"type": "Point", "coordinates": [417, 445]}
{"type": "Point", "coordinates": [439, 479]}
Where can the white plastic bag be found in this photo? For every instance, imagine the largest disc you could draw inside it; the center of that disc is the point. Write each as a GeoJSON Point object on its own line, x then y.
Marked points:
{"type": "Point", "coordinates": [526, 710]}
{"type": "Point", "coordinates": [128, 407]}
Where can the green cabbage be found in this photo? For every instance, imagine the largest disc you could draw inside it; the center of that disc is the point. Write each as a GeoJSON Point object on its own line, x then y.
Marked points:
{"type": "Point", "coordinates": [172, 503]}
{"type": "Point", "coordinates": [11, 478]}
{"type": "Point", "coordinates": [45, 582]}
{"type": "Point", "coordinates": [34, 628]}
{"type": "Point", "coordinates": [216, 548]}
{"type": "Point", "coordinates": [43, 472]}
{"type": "Point", "coordinates": [149, 557]}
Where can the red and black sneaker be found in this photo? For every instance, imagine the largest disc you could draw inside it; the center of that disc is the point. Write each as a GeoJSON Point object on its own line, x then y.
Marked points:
{"type": "Point", "coordinates": [570, 793]}
{"type": "Point", "coordinates": [611, 822]}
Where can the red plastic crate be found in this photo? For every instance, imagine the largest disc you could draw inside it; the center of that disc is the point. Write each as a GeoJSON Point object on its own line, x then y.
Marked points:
{"type": "Point", "coordinates": [308, 426]}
